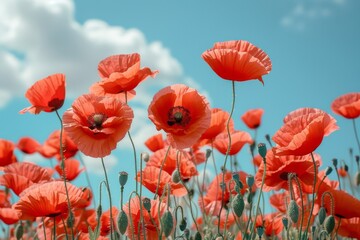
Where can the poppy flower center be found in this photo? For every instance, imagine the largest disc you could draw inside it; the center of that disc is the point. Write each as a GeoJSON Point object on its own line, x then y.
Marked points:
{"type": "Point", "coordinates": [284, 176]}
{"type": "Point", "coordinates": [178, 115]}
{"type": "Point", "coordinates": [96, 120]}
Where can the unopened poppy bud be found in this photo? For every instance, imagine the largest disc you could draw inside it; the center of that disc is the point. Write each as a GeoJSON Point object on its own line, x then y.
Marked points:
{"type": "Point", "coordinates": [238, 204]}
{"type": "Point", "coordinates": [208, 153]}
{"type": "Point", "coordinates": [235, 176]}
{"type": "Point", "coordinates": [123, 177]}
{"type": "Point", "coordinates": [70, 220]}
{"type": "Point", "coordinates": [187, 233]}
{"type": "Point", "coordinates": [122, 222]}
{"type": "Point", "coordinates": [293, 211]}
{"type": "Point", "coordinates": [183, 224]}
{"type": "Point", "coordinates": [328, 170]}
{"type": "Point", "coordinates": [249, 197]}
{"type": "Point", "coordinates": [357, 159]}
{"type": "Point", "coordinates": [357, 179]}
{"type": "Point", "coordinates": [329, 223]}
{"type": "Point", "coordinates": [175, 177]}
{"type": "Point", "coordinates": [346, 167]}
{"type": "Point", "coordinates": [262, 149]}
{"type": "Point", "coordinates": [322, 215]}
{"type": "Point", "coordinates": [260, 231]}
{"type": "Point", "coordinates": [167, 223]}
{"type": "Point", "coordinates": [335, 162]}
{"type": "Point", "coordinates": [99, 211]}
{"type": "Point", "coordinates": [285, 222]}
{"type": "Point", "coordinates": [197, 236]}
{"type": "Point", "coordinates": [250, 180]}
{"type": "Point", "coordinates": [19, 231]}
{"type": "Point", "coordinates": [267, 137]}
{"type": "Point", "coordinates": [147, 204]}
{"type": "Point", "coordinates": [145, 156]}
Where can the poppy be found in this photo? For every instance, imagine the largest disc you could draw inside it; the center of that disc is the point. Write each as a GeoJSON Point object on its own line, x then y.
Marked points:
{"type": "Point", "coordinates": [151, 219]}
{"type": "Point", "coordinates": [46, 95]}
{"type": "Point", "coordinates": [51, 147]}
{"type": "Point", "coordinates": [105, 221]}
{"type": "Point", "coordinates": [28, 145]}
{"type": "Point", "coordinates": [238, 140]}
{"type": "Point", "coordinates": [7, 155]}
{"type": "Point", "coordinates": [349, 228]}
{"type": "Point", "coordinates": [96, 124]}
{"type": "Point", "coordinates": [4, 198]}
{"type": "Point", "coordinates": [120, 74]}
{"type": "Point", "coordinates": [342, 172]}
{"type": "Point", "coordinates": [252, 118]}
{"type": "Point", "coordinates": [150, 176]}
{"type": "Point", "coordinates": [347, 105]}
{"type": "Point", "coordinates": [21, 175]}
{"type": "Point", "coordinates": [155, 142]}
{"type": "Point", "coordinates": [217, 125]}
{"type": "Point", "coordinates": [278, 168]}
{"type": "Point", "coordinates": [47, 200]}
{"type": "Point", "coordinates": [303, 131]}
{"type": "Point", "coordinates": [9, 216]}
{"type": "Point", "coordinates": [238, 61]}
{"type": "Point", "coordinates": [182, 113]}
{"type": "Point", "coordinates": [72, 169]}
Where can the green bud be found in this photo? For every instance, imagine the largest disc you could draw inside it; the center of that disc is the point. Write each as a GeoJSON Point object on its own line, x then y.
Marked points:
{"type": "Point", "coordinates": [260, 231]}
{"type": "Point", "coordinates": [346, 167]}
{"type": "Point", "coordinates": [19, 231]}
{"type": "Point", "coordinates": [147, 204]}
{"type": "Point", "coordinates": [335, 162]}
{"type": "Point", "coordinates": [250, 180]}
{"type": "Point", "coordinates": [175, 177]}
{"type": "Point", "coordinates": [197, 236]}
{"type": "Point", "coordinates": [99, 211]}
{"type": "Point", "coordinates": [329, 223]}
{"type": "Point", "coordinates": [187, 233]}
{"type": "Point", "coordinates": [322, 215]}
{"type": "Point", "coordinates": [249, 197]}
{"type": "Point", "coordinates": [262, 149]}
{"type": "Point", "coordinates": [285, 222]}
{"type": "Point", "coordinates": [123, 177]}
{"type": "Point", "coordinates": [183, 224]}
{"type": "Point", "coordinates": [293, 211]}
{"type": "Point", "coordinates": [122, 222]}
{"type": "Point", "coordinates": [357, 179]}
{"type": "Point", "coordinates": [167, 223]}
{"type": "Point", "coordinates": [238, 205]}
{"type": "Point", "coordinates": [70, 220]}
{"type": "Point", "coordinates": [208, 153]}
{"type": "Point", "coordinates": [328, 170]}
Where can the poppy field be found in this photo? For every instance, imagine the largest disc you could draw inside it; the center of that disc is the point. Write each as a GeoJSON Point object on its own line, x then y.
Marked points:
{"type": "Point", "coordinates": [39, 202]}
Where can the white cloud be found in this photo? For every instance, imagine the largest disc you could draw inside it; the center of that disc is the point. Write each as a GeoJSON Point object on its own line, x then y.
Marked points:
{"type": "Point", "coordinates": [305, 13]}
{"type": "Point", "coordinates": [94, 165]}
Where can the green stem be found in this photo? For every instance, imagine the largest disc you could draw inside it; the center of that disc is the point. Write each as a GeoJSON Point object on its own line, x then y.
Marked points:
{"type": "Point", "coordinates": [43, 222]}
{"type": "Point", "coordinates": [161, 168]}
{"type": "Point", "coordinates": [227, 151]}
{"type": "Point", "coordinates": [110, 201]}
{"type": "Point", "coordinates": [134, 150]}
{"type": "Point", "coordinates": [54, 229]}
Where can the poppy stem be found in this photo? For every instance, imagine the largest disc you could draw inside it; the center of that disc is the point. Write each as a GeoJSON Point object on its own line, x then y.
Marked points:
{"type": "Point", "coordinates": [43, 222]}
{"type": "Point", "coordinates": [54, 229]}
{"type": "Point", "coordinates": [63, 167]}
{"type": "Point", "coordinates": [88, 179]}
{"type": "Point", "coordinates": [356, 134]}
{"type": "Point", "coordinates": [313, 196]}
{"type": "Point", "coordinates": [141, 217]}
{"type": "Point", "coordinates": [161, 168]}
{"type": "Point", "coordinates": [134, 150]}
{"type": "Point", "coordinates": [227, 151]}
{"type": "Point", "coordinates": [110, 202]}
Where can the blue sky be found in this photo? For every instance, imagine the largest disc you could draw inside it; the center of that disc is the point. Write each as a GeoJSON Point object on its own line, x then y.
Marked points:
{"type": "Point", "coordinates": [313, 45]}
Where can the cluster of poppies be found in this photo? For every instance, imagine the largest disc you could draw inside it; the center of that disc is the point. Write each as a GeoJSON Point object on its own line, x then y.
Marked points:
{"type": "Point", "coordinates": [306, 204]}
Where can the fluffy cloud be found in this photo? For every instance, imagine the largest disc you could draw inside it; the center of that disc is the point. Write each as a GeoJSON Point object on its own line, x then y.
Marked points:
{"type": "Point", "coordinates": [304, 13]}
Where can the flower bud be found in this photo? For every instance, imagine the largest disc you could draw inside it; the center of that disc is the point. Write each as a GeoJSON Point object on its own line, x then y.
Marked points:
{"type": "Point", "coordinates": [285, 222]}
{"type": "Point", "coordinates": [175, 177]}
{"type": "Point", "coordinates": [197, 236]}
{"type": "Point", "coordinates": [147, 204]}
{"type": "Point", "coordinates": [123, 177]}
{"type": "Point", "coordinates": [249, 197]}
{"type": "Point", "coordinates": [187, 233]}
{"type": "Point", "coordinates": [328, 170]}
{"type": "Point", "coordinates": [167, 223]}
{"type": "Point", "coordinates": [357, 159]}
{"type": "Point", "coordinates": [335, 162]}
{"type": "Point", "coordinates": [260, 231]}
{"type": "Point", "coordinates": [322, 215]}
{"type": "Point", "coordinates": [238, 204]}
{"type": "Point", "coordinates": [183, 224]}
{"type": "Point", "coordinates": [19, 231]}
{"type": "Point", "coordinates": [208, 153]}
{"type": "Point", "coordinates": [122, 222]}
{"type": "Point", "coordinates": [250, 180]}
{"type": "Point", "coordinates": [357, 179]}
{"type": "Point", "coordinates": [99, 211]}
{"type": "Point", "coordinates": [329, 223]}
{"type": "Point", "coordinates": [145, 156]}
{"type": "Point", "coordinates": [262, 149]}
{"type": "Point", "coordinates": [293, 211]}
{"type": "Point", "coordinates": [346, 167]}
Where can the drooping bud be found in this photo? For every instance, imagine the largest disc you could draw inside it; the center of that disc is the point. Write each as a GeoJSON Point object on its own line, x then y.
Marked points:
{"type": "Point", "coordinates": [322, 215]}
{"type": "Point", "coordinates": [357, 179]}
{"type": "Point", "coordinates": [208, 153]}
{"type": "Point", "coordinates": [19, 231]}
{"type": "Point", "coordinates": [260, 231]}
{"type": "Point", "coordinates": [250, 180]}
{"type": "Point", "coordinates": [238, 205]}
{"type": "Point", "coordinates": [123, 177]}
{"type": "Point", "coordinates": [335, 162]}
{"type": "Point", "coordinates": [357, 159]}
{"type": "Point", "coordinates": [122, 222]}
{"type": "Point", "coordinates": [346, 167]}
{"type": "Point", "coordinates": [249, 197]}
{"type": "Point", "coordinates": [183, 224]}
{"type": "Point", "coordinates": [167, 223]}
{"type": "Point", "coordinates": [236, 178]}
{"type": "Point", "coordinates": [175, 177]}
{"type": "Point", "coordinates": [293, 211]}
{"type": "Point", "coordinates": [197, 236]}
{"type": "Point", "coordinates": [262, 150]}
{"type": "Point", "coordinates": [328, 170]}
{"type": "Point", "coordinates": [187, 233]}
{"type": "Point", "coordinates": [285, 222]}
{"type": "Point", "coordinates": [329, 223]}
{"type": "Point", "coordinates": [267, 137]}
{"type": "Point", "coordinates": [145, 156]}
{"type": "Point", "coordinates": [147, 204]}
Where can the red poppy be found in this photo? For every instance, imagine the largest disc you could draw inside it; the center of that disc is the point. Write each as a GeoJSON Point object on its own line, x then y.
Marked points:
{"type": "Point", "coordinates": [238, 140]}
{"type": "Point", "coordinates": [347, 105]}
{"type": "Point", "coordinates": [120, 74]}
{"type": "Point", "coordinates": [21, 175]}
{"type": "Point", "coordinates": [257, 160]}
{"type": "Point", "coordinates": [303, 131]}
{"type": "Point", "coordinates": [155, 142]}
{"type": "Point", "coordinates": [97, 124]}
{"type": "Point", "coordinates": [278, 168]}
{"type": "Point", "coordinates": [182, 113]}
{"type": "Point", "coordinates": [217, 125]}
{"type": "Point", "coordinates": [151, 219]}
{"type": "Point", "coordinates": [51, 147]}
{"type": "Point", "coordinates": [252, 118]}
{"type": "Point", "coordinates": [46, 95]}
{"type": "Point", "coordinates": [349, 228]}
{"type": "Point", "coordinates": [47, 200]}
{"type": "Point", "coordinates": [105, 221]}
{"type": "Point", "coordinates": [150, 176]}
{"type": "Point", "coordinates": [4, 198]}
{"type": "Point", "coordinates": [28, 145]}
{"type": "Point", "coordinates": [342, 172]}
{"type": "Point", "coordinates": [72, 169]}
{"type": "Point", "coordinates": [238, 61]}
{"type": "Point", "coordinates": [9, 216]}
{"type": "Point", "coordinates": [7, 155]}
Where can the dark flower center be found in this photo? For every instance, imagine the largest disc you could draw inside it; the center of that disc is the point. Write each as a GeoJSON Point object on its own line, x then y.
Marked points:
{"type": "Point", "coordinates": [285, 176]}
{"type": "Point", "coordinates": [96, 120]}
{"type": "Point", "coordinates": [178, 115]}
